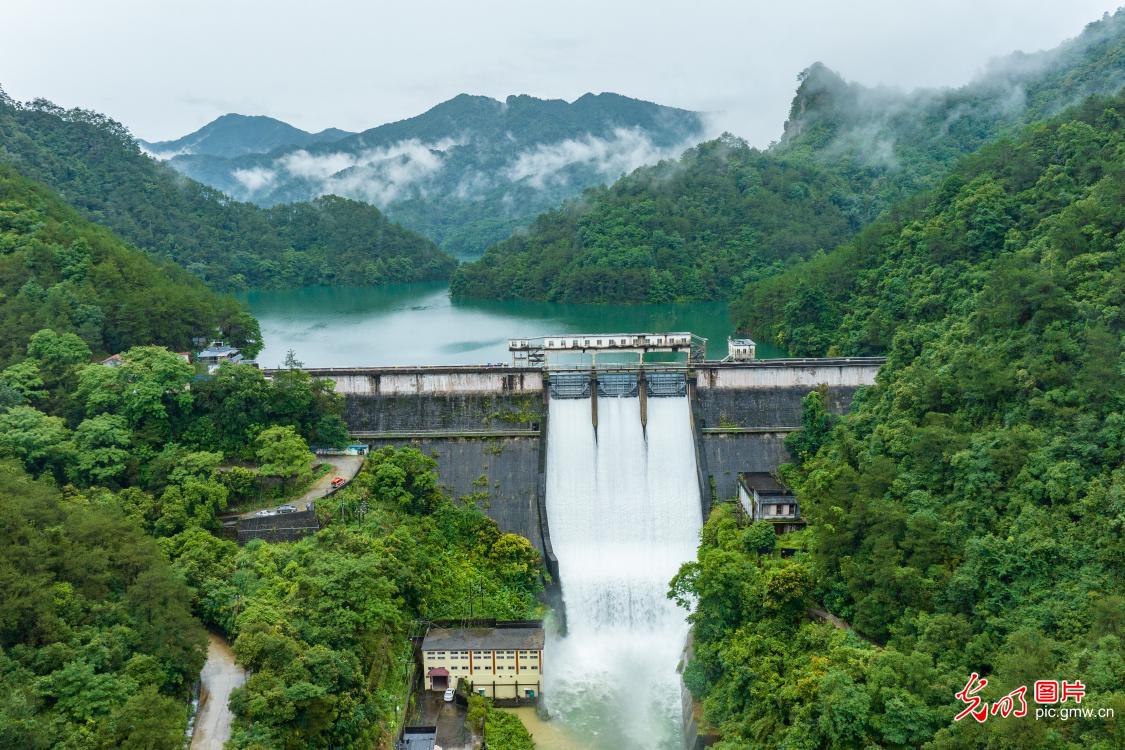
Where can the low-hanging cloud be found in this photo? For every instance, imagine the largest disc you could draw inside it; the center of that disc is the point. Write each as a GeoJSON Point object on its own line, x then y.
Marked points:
{"type": "Point", "coordinates": [255, 178]}
{"type": "Point", "coordinates": [377, 175]}
{"type": "Point", "coordinates": [626, 150]}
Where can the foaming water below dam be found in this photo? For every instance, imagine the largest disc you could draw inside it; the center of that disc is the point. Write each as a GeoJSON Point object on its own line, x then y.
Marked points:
{"type": "Point", "coordinates": [624, 510]}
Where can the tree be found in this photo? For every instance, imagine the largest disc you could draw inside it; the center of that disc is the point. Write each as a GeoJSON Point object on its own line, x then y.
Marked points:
{"type": "Point", "coordinates": [26, 380]}
{"type": "Point", "coordinates": [407, 477]}
{"type": "Point", "coordinates": [149, 389]}
{"type": "Point", "coordinates": [194, 495]}
{"type": "Point", "coordinates": [283, 453]}
{"type": "Point", "coordinates": [101, 450]}
{"type": "Point", "coordinates": [816, 425]}
{"type": "Point", "coordinates": [517, 561]}
{"type": "Point", "coordinates": [331, 431]}
{"type": "Point", "coordinates": [57, 354]}
{"type": "Point", "coordinates": [40, 441]}
{"type": "Point", "coordinates": [70, 567]}
{"type": "Point", "coordinates": [760, 537]}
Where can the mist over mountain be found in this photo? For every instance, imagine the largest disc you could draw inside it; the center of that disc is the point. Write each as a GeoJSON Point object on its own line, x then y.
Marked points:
{"type": "Point", "coordinates": [467, 172]}
{"type": "Point", "coordinates": [726, 215]}
{"type": "Point", "coordinates": [95, 165]}
{"type": "Point", "coordinates": [901, 140]}
{"type": "Point", "coordinates": [237, 135]}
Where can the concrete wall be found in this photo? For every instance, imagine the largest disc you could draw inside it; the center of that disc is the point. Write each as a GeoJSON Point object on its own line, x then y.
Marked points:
{"type": "Point", "coordinates": [491, 422]}
{"type": "Point", "coordinates": [728, 454]}
{"type": "Point", "coordinates": [506, 468]}
{"type": "Point", "coordinates": [786, 373]}
{"type": "Point", "coordinates": [397, 413]}
{"type": "Point", "coordinates": [284, 527]}
{"type": "Point", "coordinates": [763, 407]}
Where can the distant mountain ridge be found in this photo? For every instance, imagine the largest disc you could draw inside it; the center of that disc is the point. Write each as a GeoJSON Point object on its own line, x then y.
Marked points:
{"type": "Point", "coordinates": [95, 165]}
{"type": "Point", "coordinates": [468, 171]}
{"type": "Point", "coordinates": [238, 135]}
{"type": "Point", "coordinates": [725, 215]}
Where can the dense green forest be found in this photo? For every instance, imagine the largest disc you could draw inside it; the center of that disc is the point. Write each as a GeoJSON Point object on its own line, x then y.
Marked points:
{"type": "Point", "coordinates": [726, 215]}
{"type": "Point", "coordinates": [112, 480]}
{"type": "Point", "coordinates": [98, 646]}
{"type": "Point", "coordinates": [696, 228]}
{"type": "Point", "coordinates": [98, 643]}
{"type": "Point", "coordinates": [59, 271]}
{"type": "Point", "coordinates": [94, 163]}
{"type": "Point", "coordinates": [967, 515]}
{"type": "Point", "coordinates": [323, 623]}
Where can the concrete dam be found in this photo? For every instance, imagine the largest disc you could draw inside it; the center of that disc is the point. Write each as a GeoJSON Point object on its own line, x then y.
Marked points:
{"type": "Point", "coordinates": [487, 426]}
{"type": "Point", "coordinates": [609, 470]}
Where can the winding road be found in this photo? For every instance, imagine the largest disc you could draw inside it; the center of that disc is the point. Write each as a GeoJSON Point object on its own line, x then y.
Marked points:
{"type": "Point", "coordinates": [342, 466]}
{"type": "Point", "coordinates": [220, 676]}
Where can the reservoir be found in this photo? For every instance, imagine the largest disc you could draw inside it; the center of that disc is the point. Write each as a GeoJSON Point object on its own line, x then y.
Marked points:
{"type": "Point", "coordinates": [418, 324]}
{"type": "Point", "coordinates": [621, 485]}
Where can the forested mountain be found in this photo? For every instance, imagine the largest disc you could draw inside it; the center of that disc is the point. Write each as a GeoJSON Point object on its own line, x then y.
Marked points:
{"type": "Point", "coordinates": [59, 271]}
{"type": "Point", "coordinates": [98, 646]}
{"type": "Point", "coordinates": [966, 517]}
{"type": "Point", "coordinates": [236, 135]}
{"type": "Point", "coordinates": [96, 167]}
{"type": "Point", "coordinates": [726, 215]}
{"type": "Point", "coordinates": [468, 171]}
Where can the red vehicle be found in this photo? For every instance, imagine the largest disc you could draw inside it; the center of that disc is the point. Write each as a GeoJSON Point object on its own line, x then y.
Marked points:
{"type": "Point", "coordinates": [338, 482]}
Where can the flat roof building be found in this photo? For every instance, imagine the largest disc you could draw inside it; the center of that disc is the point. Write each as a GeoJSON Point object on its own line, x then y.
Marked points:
{"type": "Point", "coordinates": [217, 353]}
{"type": "Point", "coordinates": [764, 498]}
{"type": "Point", "coordinates": [741, 350]}
{"type": "Point", "coordinates": [502, 661]}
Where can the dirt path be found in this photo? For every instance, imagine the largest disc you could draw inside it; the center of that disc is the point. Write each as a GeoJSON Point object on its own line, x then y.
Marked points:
{"type": "Point", "coordinates": [342, 466]}
{"type": "Point", "coordinates": [220, 675]}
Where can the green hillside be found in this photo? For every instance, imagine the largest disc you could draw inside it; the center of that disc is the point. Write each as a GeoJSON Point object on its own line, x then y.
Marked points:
{"type": "Point", "coordinates": [726, 215]}
{"type": "Point", "coordinates": [96, 166]}
{"type": "Point", "coordinates": [59, 271]}
{"type": "Point", "coordinates": [966, 517]}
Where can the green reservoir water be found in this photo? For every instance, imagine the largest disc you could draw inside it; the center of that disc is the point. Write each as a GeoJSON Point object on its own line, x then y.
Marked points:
{"type": "Point", "coordinates": [418, 324]}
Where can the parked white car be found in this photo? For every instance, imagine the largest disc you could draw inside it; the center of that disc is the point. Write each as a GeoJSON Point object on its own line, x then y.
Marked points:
{"type": "Point", "coordinates": [449, 695]}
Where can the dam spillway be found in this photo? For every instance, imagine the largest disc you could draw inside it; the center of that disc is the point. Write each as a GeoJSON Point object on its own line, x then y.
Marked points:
{"type": "Point", "coordinates": [624, 508]}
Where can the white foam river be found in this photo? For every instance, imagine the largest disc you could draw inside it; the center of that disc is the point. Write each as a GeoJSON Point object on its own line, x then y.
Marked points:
{"type": "Point", "coordinates": [624, 513]}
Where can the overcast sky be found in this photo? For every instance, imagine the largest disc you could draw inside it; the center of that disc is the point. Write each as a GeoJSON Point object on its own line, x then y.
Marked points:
{"type": "Point", "coordinates": [166, 67]}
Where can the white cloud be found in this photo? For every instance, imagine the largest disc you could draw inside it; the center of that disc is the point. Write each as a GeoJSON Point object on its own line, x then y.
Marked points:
{"type": "Point", "coordinates": [301, 163]}
{"type": "Point", "coordinates": [377, 175]}
{"type": "Point", "coordinates": [628, 149]}
{"type": "Point", "coordinates": [255, 178]}
{"type": "Point", "coordinates": [163, 155]}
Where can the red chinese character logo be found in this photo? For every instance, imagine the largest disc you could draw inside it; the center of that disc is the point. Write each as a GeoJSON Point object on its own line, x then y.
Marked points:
{"type": "Point", "coordinates": [977, 708]}
{"type": "Point", "coordinates": [1046, 691]}
{"type": "Point", "coordinates": [1075, 690]}
{"type": "Point", "coordinates": [1007, 704]}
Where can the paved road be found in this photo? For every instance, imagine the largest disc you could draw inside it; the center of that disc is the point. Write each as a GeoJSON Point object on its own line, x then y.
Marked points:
{"type": "Point", "coordinates": [219, 677]}
{"type": "Point", "coordinates": [449, 718]}
{"type": "Point", "coordinates": [342, 466]}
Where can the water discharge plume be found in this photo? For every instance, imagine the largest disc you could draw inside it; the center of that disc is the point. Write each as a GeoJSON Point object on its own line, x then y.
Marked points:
{"type": "Point", "coordinates": [624, 512]}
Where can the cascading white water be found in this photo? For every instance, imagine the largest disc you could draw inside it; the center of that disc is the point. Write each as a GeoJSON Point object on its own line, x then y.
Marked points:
{"type": "Point", "coordinates": [624, 513]}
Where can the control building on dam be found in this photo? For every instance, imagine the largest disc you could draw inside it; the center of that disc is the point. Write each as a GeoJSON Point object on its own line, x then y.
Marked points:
{"type": "Point", "coordinates": [486, 425]}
